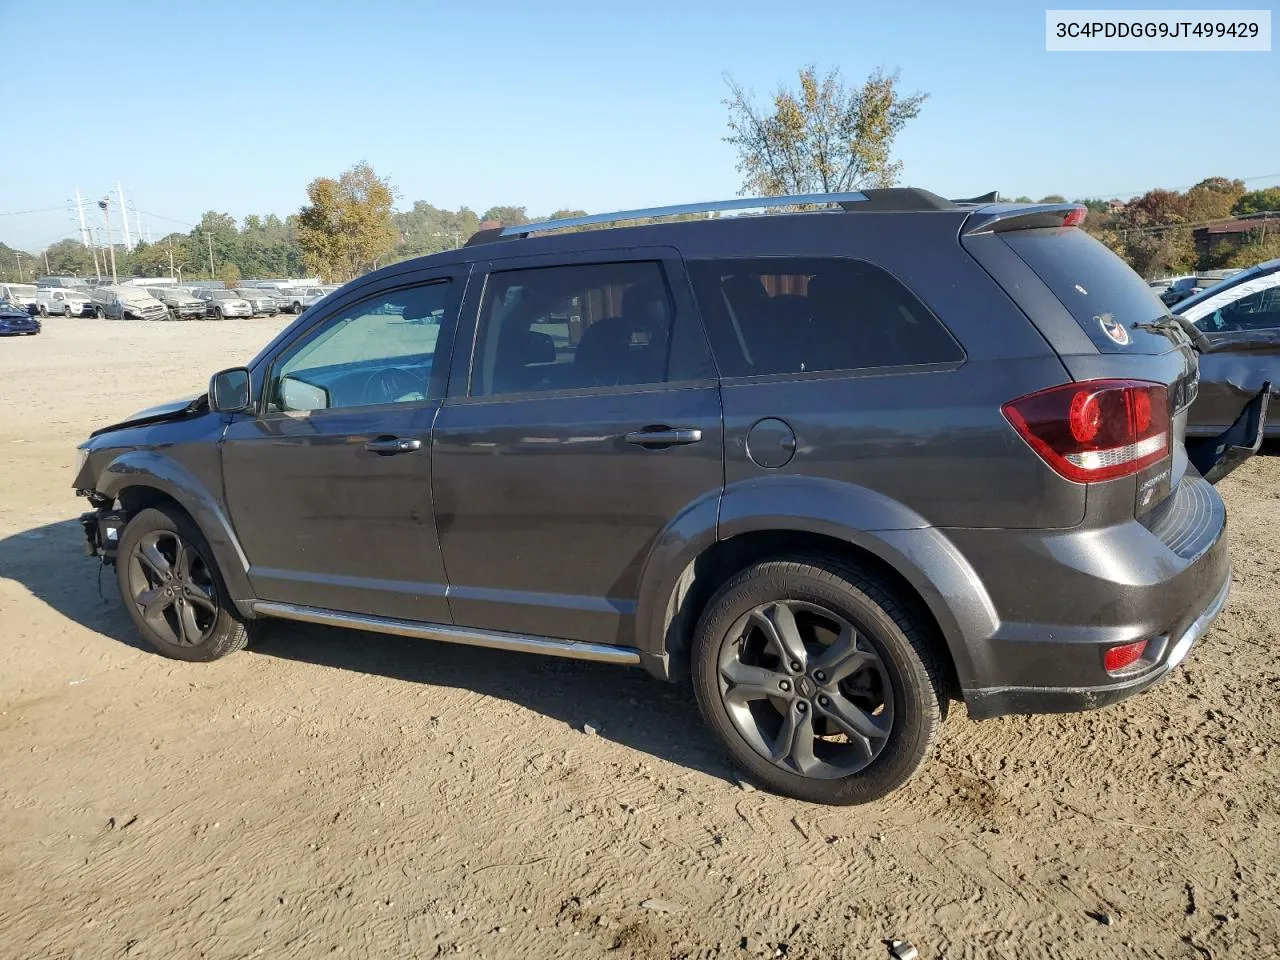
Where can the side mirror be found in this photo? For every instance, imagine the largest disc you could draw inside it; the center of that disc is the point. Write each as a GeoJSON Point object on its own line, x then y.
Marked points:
{"type": "Point", "coordinates": [230, 391]}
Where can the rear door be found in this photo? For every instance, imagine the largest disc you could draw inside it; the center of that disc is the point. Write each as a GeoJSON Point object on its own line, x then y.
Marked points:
{"type": "Point", "coordinates": [583, 420]}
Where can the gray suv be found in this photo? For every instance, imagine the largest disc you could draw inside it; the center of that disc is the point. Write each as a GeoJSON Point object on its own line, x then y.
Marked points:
{"type": "Point", "coordinates": [839, 467]}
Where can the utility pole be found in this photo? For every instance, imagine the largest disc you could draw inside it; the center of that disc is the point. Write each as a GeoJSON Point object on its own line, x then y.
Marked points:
{"type": "Point", "coordinates": [209, 236]}
{"type": "Point", "coordinates": [45, 253]}
{"type": "Point", "coordinates": [17, 256]}
{"type": "Point", "coordinates": [104, 203]}
{"type": "Point", "coordinates": [137, 217]}
{"type": "Point", "coordinates": [93, 248]}
{"type": "Point", "coordinates": [84, 230]}
{"type": "Point", "coordinates": [171, 259]}
{"type": "Point", "coordinates": [124, 216]}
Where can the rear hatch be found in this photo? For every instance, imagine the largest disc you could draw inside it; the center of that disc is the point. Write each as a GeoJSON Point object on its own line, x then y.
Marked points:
{"type": "Point", "coordinates": [1096, 313]}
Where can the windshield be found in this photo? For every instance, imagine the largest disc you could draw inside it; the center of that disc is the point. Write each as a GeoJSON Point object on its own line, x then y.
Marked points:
{"type": "Point", "coordinates": [22, 289]}
{"type": "Point", "coordinates": [1100, 291]}
{"type": "Point", "coordinates": [225, 295]}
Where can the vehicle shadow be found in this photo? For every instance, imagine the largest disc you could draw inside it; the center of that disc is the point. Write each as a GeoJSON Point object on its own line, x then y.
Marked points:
{"type": "Point", "coordinates": [624, 705]}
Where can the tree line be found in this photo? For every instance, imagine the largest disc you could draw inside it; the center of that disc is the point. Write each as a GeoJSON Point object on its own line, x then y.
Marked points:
{"type": "Point", "coordinates": [822, 135]}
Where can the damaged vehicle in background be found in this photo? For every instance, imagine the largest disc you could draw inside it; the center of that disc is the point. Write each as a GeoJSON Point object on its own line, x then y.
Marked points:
{"type": "Point", "coordinates": [63, 301]}
{"type": "Point", "coordinates": [180, 304]}
{"type": "Point", "coordinates": [261, 301]}
{"type": "Point", "coordinates": [1239, 320]}
{"type": "Point", "coordinates": [126, 303]}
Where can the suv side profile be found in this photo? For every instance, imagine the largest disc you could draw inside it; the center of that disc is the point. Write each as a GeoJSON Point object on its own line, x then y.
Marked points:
{"type": "Point", "coordinates": [839, 467]}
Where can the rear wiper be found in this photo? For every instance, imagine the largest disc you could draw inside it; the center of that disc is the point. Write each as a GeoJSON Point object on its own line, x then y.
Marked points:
{"type": "Point", "coordinates": [1175, 322]}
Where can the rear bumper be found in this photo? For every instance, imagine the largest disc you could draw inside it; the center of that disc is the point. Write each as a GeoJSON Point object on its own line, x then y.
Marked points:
{"type": "Point", "coordinates": [997, 701]}
{"type": "Point", "coordinates": [1062, 598]}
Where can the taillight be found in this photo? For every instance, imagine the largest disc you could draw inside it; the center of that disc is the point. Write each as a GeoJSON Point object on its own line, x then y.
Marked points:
{"type": "Point", "coordinates": [1074, 217]}
{"type": "Point", "coordinates": [1096, 429]}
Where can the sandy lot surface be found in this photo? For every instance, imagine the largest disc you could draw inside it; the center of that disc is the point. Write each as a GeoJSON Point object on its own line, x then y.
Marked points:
{"type": "Point", "coordinates": [328, 792]}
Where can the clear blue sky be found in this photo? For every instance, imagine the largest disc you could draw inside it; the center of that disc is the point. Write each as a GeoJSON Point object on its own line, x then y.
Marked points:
{"type": "Point", "coordinates": [235, 106]}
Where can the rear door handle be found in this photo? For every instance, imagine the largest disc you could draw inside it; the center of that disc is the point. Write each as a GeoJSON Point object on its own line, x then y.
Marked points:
{"type": "Point", "coordinates": [664, 436]}
{"type": "Point", "coordinates": [389, 445]}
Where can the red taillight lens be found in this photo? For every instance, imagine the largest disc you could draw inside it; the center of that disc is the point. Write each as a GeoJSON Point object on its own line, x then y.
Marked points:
{"type": "Point", "coordinates": [1117, 658]}
{"type": "Point", "coordinates": [1096, 429]}
{"type": "Point", "coordinates": [1074, 218]}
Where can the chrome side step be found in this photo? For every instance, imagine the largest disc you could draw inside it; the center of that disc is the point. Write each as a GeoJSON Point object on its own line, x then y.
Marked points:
{"type": "Point", "coordinates": [572, 649]}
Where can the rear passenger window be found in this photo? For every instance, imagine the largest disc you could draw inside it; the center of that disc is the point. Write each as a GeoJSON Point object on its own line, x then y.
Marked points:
{"type": "Point", "coordinates": [804, 315]}
{"type": "Point", "coordinates": [573, 327]}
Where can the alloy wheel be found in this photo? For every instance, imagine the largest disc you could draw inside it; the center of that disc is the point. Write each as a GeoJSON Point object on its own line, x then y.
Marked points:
{"type": "Point", "coordinates": [806, 689]}
{"type": "Point", "coordinates": [173, 588]}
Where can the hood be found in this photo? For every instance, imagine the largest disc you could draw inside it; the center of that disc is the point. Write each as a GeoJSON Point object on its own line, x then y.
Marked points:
{"type": "Point", "coordinates": [7, 311]}
{"type": "Point", "coordinates": [174, 410]}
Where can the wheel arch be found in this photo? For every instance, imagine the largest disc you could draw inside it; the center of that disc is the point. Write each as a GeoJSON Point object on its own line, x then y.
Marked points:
{"type": "Point", "coordinates": [803, 516]}
{"type": "Point", "coordinates": [143, 478]}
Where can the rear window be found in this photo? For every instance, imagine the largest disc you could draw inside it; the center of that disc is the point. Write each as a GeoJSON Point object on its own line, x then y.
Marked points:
{"type": "Point", "coordinates": [810, 314]}
{"type": "Point", "coordinates": [1098, 289]}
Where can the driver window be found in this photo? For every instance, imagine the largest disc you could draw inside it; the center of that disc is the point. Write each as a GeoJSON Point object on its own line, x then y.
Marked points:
{"type": "Point", "coordinates": [374, 352]}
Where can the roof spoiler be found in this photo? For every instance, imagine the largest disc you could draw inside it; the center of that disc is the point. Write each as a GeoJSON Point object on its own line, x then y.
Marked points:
{"type": "Point", "coordinates": [999, 217]}
{"type": "Point", "coordinates": [992, 197]}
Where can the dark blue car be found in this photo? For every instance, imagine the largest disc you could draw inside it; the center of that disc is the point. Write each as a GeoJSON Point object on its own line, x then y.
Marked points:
{"type": "Point", "coordinates": [15, 321]}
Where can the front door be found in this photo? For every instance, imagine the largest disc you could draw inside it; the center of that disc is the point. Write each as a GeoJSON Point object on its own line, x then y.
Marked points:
{"type": "Point", "coordinates": [329, 482]}
{"type": "Point", "coordinates": [587, 421]}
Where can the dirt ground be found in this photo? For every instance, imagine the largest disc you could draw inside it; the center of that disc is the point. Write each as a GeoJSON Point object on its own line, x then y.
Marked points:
{"type": "Point", "coordinates": [332, 793]}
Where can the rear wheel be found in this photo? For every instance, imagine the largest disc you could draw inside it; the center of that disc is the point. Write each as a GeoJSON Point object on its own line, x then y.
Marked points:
{"type": "Point", "coordinates": [818, 679]}
{"type": "Point", "coordinates": [171, 587]}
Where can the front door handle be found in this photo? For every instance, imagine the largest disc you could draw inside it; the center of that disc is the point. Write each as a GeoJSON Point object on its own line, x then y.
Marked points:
{"type": "Point", "coordinates": [664, 436]}
{"type": "Point", "coordinates": [390, 445]}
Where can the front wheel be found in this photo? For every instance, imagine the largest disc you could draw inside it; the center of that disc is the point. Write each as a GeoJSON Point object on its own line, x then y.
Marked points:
{"type": "Point", "coordinates": [819, 680]}
{"type": "Point", "coordinates": [98, 314]}
{"type": "Point", "coordinates": [171, 587]}
{"type": "Point", "coordinates": [218, 314]}
{"type": "Point", "coordinates": [43, 311]}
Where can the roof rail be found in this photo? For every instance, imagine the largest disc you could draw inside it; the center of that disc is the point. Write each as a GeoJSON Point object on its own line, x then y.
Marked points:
{"type": "Point", "coordinates": [743, 203]}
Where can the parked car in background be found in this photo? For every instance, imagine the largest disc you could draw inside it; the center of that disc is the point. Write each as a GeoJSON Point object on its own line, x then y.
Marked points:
{"type": "Point", "coordinates": [840, 467]}
{"type": "Point", "coordinates": [302, 297]}
{"type": "Point", "coordinates": [126, 303]}
{"type": "Point", "coordinates": [220, 304]}
{"type": "Point", "coordinates": [73, 283]}
{"type": "Point", "coordinates": [180, 304]}
{"type": "Point", "coordinates": [63, 301]}
{"type": "Point", "coordinates": [1240, 320]}
{"type": "Point", "coordinates": [262, 301]}
{"type": "Point", "coordinates": [16, 320]}
{"type": "Point", "coordinates": [20, 293]}
{"type": "Point", "coordinates": [1179, 288]}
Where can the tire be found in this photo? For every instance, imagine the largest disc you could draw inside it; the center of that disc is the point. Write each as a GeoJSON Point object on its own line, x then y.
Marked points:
{"type": "Point", "coordinates": [98, 313]}
{"type": "Point", "coordinates": [881, 679]}
{"type": "Point", "coordinates": [43, 311]}
{"type": "Point", "coordinates": [189, 615]}
{"type": "Point", "coordinates": [218, 314]}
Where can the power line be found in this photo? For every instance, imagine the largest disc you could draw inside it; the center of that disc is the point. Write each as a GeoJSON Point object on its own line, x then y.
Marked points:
{"type": "Point", "coordinates": [16, 213]}
{"type": "Point", "coordinates": [159, 216]}
{"type": "Point", "coordinates": [1132, 193]}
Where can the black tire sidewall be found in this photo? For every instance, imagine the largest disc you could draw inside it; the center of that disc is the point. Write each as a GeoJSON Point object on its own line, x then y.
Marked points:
{"type": "Point", "coordinates": [917, 708]}
{"type": "Point", "coordinates": [228, 631]}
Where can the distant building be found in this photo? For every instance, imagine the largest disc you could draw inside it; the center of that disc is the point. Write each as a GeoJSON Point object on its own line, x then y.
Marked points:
{"type": "Point", "coordinates": [1234, 233]}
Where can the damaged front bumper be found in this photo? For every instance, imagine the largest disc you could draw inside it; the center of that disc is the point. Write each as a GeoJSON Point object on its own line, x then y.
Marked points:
{"type": "Point", "coordinates": [102, 530]}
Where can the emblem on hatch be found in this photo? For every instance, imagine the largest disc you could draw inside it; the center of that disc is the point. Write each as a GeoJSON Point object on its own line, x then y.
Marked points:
{"type": "Point", "coordinates": [1114, 329]}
